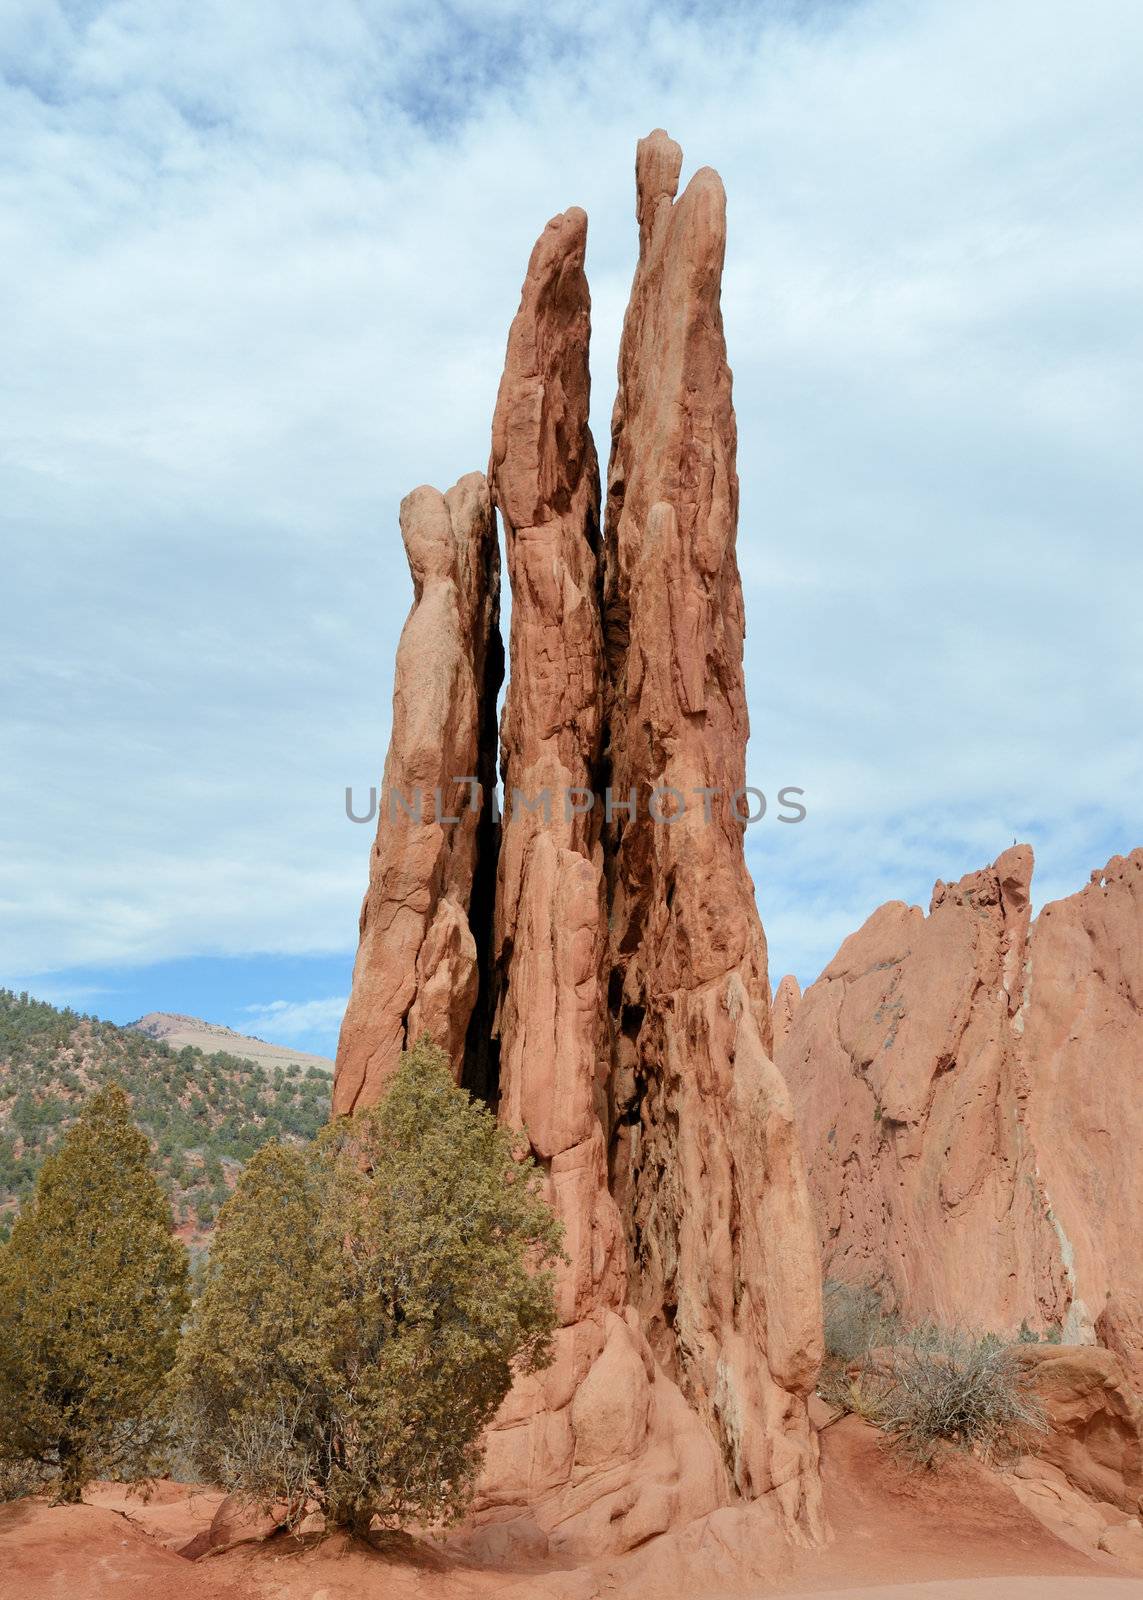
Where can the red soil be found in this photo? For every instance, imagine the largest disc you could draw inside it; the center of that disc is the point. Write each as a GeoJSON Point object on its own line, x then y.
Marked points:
{"type": "Point", "coordinates": [959, 1533]}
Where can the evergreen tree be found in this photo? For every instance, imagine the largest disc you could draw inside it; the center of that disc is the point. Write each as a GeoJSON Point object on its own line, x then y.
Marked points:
{"type": "Point", "coordinates": [93, 1290]}
{"type": "Point", "coordinates": [367, 1303]}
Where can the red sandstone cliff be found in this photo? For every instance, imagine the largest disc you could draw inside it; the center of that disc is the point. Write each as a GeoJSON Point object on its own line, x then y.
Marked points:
{"type": "Point", "coordinates": [968, 1089]}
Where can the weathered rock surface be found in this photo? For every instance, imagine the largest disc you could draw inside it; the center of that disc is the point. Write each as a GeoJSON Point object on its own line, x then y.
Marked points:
{"type": "Point", "coordinates": [967, 1085]}
{"type": "Point", "coordinates": [417, 967]}
{"type": "Point", "coordinates": [901, 1063]}
{"type": "Point", "coordinates": [705, 1160]}
{"type": "Point", "coordinates": [544, 480]}
{"type": "Point", "coordinates": [1095, 1420]}
{"type": "Point", "coordinates": [235, 1521]}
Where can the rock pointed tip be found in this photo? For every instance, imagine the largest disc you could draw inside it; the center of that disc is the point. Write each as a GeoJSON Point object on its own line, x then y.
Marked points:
{"type": "Point", "coordinates": [707, 181]}
{"type": "Point", "coordinates": [564, 238]}
{"type": "Point", "coordinates": [1017, 862]}
{"type": "Point", "coordinates": [1014, 870]}
{"type": "Point", "coordinates": [658, 162]}
{"type": "Point", "coordinates": [787, 999]}
{"type": "Point", "coordinates": [569, 224]}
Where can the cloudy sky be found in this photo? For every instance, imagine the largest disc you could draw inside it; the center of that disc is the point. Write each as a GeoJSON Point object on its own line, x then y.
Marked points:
{"type": "Point", "coordinates": [258, 263]}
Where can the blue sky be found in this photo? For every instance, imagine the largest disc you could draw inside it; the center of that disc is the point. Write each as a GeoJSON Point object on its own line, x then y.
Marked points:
{"type": "Point", "coordinates": [260, 263]}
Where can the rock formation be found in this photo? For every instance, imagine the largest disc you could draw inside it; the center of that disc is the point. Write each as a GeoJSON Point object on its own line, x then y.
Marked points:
{"type": "Point", "coordinates": [705, 1160]}
{"type": "Point", "coordinates": [900, 1060]}
{"type": "Point", "coordinates": [967, 1088]}
{"type": "Point", "coordinates": [1094, 1420]}
{"type": "Point", "coordinates": [623, 972]}
{"type": "Point", "coordinates": [544, 480]}
{"type": "Point", "coordinates": [1083, 1046]}
{"type": "Point", "coordinates": [599, 1451]}
{"type": "Point", "coordinates": [417, 966]}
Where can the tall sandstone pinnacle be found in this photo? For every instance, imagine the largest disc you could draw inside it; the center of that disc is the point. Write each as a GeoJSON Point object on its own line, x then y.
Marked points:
{"type": "Point", "coordinates": [623, 973]}
{"type": "Point", "coordinates": [705, 1160]}
{"type": "Point", "coordinates": [967, 1084]}
{"type": "Point", "coordinates": [418, 967]}
{"type": "Point", "coordinates": [600, 1451]}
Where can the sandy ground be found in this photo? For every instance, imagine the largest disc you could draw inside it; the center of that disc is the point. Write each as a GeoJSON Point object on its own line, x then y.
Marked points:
{"type": "Point", "coordinates": [1001, 1589]}
{"type": "Point", "coordinates": [959, 1534]}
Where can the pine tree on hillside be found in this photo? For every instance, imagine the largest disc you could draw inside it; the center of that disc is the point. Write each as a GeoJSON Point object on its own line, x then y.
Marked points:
{"type": "Point", "coordinates": [93, 1291]}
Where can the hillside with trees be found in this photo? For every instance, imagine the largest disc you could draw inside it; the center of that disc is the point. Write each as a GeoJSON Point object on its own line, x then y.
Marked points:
{"type": "Point", "coordinates": [204, 1115]}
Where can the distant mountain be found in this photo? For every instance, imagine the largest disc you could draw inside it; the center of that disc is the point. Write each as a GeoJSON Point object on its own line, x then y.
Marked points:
{"type": "Point", "coordinates": [205, 1114]}
{"type": "Point", "coordinates": [178, 1031]}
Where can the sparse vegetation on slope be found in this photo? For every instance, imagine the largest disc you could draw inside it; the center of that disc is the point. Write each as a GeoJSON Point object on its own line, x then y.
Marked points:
{"type": "Point", "coordinates": [205, 1116]}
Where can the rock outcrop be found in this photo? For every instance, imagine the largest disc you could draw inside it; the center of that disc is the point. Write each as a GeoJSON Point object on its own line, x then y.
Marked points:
{"type": "Point", "coordinates": [600, 1451]}
{"type": "Point", "coordinates": [1083, 1048]}
{"type": "Point", "coordinates": [1094, 1418]}
{"type": "Point", "coordinates": [705, 1162]}
{"type": "Point", "coordinates": [901, 1062]}
{"type": "Point", "coordinates": [418, 967]}
{"type": "Point", "coordinates": [620, 982]}
{"type": "Point", "coordinates": [967, 1085]}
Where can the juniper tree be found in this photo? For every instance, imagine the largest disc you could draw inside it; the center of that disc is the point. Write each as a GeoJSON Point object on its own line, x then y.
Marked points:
{"type": "Point", "coordinates": [93, 1291]}
{"type": "Point", "coordinates": [367, 1303]}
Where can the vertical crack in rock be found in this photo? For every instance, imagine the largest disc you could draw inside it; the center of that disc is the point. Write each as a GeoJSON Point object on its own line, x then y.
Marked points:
{"type": "Point", "coordinates": [708, 1172]}
{"type": "Point", "coordinates": [418, 968]}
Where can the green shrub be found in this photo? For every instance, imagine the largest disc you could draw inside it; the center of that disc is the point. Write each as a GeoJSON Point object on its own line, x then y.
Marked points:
{"type": "Point", "coordinates": [93, 1289]}
{"type": "Point", "coordinates": [366, 1304]}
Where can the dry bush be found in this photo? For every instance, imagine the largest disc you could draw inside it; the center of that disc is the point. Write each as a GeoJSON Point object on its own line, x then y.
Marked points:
{"type": "Point", "coordinates": [942, 1387]}
{"type": "Point", "coordinates": [927, 1387]}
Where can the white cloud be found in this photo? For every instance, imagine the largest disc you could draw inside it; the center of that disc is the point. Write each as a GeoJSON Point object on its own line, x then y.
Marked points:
{"type": "Point", "coordinates": [294, 1019]}
{"type": "Point", "coordinates": [259, 264]}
